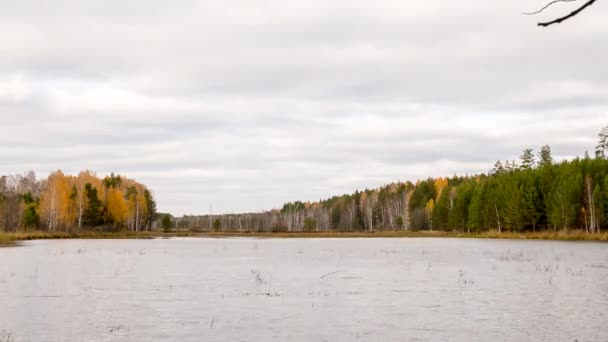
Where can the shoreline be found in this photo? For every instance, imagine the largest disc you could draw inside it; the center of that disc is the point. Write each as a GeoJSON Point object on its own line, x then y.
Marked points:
{"type": "Point", "coordinates": [11, 239]}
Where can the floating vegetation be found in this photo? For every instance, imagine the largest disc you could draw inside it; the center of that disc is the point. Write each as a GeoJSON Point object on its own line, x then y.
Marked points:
{"type": "Point", "coordinates": [547, 268]}
{"type": "Point", "coordinates": [7, 336]}
{"type": "Point", "coordinates": [387, 251]}
{"type": "Point", "coordinates": [574, 273]}
{"type": "Point", "coordinates": [463, 279]}
{"type": "Point", "coordinates": [518, 256]}
{"type": "Point", "coordinates": [258, 277]}
{"type": "Point", "coordinates": [116, 328]}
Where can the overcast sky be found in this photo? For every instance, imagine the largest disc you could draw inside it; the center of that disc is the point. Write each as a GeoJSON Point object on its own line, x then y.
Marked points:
{"type": "Point", "coordinates": [244, 105]}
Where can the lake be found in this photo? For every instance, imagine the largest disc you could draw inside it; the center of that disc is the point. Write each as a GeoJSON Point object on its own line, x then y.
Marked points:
{"type": "Point", "coordinates": [243, 289]}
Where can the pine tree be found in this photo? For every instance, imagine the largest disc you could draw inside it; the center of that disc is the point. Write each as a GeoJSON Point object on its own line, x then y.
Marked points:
{"type": "Point", "coordinates": [564, 198]}
{"type": "Point", "coordinates": [166, 222]}
{"type": "Point", "coordinates": [530, 201]}
{"type": "Point", "coordinates": [441, 214]}
{"type": "Point", "coordinates": [544, 156]}
{"type": "Point", "coordinates": [602, 145]}
{"type": "Point", "coordinates": [93, 212]}
{"type": "Point", "coordinates": [513, 213]}
{"type": "Point", "coordinates": [30, 216]}
{"type": "Point", "coordinates": [498, 168]}
{"type": "Point", "coordinates": [527, 159]}
{"type": "Point", "coordinates": [151, 209]}
{"type": "Point", "coordinates": [460, 212]}
{"type": "Point", "coordinates": [475, 218]}
{"type": "Point", "coordinates": [493, 204]}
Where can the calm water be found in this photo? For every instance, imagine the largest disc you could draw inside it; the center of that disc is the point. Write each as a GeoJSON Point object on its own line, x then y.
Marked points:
{"type": "Point", "coordinates": [304, 290]}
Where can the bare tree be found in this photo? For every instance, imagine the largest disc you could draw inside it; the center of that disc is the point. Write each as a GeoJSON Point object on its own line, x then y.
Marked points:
{"type": "Point", "coordinates": [563, 18]}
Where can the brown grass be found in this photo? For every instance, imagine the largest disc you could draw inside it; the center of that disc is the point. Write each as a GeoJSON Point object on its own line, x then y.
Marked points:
{"type": "Point", "coordinates": [569, 235]}
{"type": "Point", "coordinates": [7, 239]}
{"type": "Point", "coordinates": [325, 235]}
{"type": "Point", "coordinates": [572, 235]}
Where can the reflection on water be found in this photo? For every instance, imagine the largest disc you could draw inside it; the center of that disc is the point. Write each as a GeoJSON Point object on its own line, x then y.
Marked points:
{"type": "Point", "coordinates": [304, 290]}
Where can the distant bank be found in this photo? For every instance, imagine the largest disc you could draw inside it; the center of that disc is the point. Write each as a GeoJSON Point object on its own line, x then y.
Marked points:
{"type": "Point", "coordinates": [7, 239]}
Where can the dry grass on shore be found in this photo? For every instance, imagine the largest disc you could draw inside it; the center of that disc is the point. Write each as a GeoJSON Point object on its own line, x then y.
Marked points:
{"type": "Point", "coordinates": [573, 235]}
{"type": "Point", "coordinates": [5, 240]}
{"type": "Point", "coordinates": [570, 235]}
{"type": "Point", "coordinates": [11, 238]}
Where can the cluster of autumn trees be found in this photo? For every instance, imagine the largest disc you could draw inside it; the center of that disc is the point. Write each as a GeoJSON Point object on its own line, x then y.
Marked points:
{"type": "Point", "coordinates": [64, 202]}
{"type": "Point", "coordinates": [532, 194]}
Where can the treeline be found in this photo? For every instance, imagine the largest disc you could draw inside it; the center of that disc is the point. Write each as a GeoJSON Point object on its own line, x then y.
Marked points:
{"type": "Point", "coordinates": [535, 193]}
{"type": "Point", "coordinates": [64, 202]}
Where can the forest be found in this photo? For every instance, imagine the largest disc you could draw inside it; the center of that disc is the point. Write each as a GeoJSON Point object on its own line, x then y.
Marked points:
{"type": "Point", "coordinates": [535, 193]}
{"type": "Point", "coordinates": [62, 202]}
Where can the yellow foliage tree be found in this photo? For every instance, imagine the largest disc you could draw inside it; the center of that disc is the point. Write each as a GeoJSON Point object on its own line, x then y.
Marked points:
{"type": "Point", "coordinates": [80, 202]}
{"type": "Point", "coordinates": [440, 184]}
{"type": "Point", "coordinates": [55, 201]}
{"type": "Point", "coordinates": [117, 206]}
{"type": "Point", "coordinates": [137, 209]}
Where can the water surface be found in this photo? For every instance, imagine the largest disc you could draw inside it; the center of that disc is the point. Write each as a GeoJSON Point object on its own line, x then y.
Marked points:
{"type": "Point", "coordinates": [244, 289]}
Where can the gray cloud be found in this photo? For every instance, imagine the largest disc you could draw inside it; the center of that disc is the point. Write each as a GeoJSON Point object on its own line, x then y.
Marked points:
{"type": "Point", "coordinates": [245, 105]}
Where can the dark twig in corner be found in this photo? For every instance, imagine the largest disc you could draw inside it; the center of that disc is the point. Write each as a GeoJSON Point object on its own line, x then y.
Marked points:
{"type": "Point", "coordinates": [564, 18]}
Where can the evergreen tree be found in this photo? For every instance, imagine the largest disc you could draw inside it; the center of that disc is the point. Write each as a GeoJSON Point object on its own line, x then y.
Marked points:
{"type": "Point", "coordinates": [441, 214]}
{"type": "Point", "coordinates": [544, 156]}
{"type": "Point", "coordinates": [217, 224]}
{"type": "Point", "coordinates": [460, 212]}
{"type": "Point", "coordinates": [602, 145]}
{"type": "Point", "coordinates": [510, 167]}
{"type": "Point", "coordinates": [527, 159]}
{"type": "Point", "coordinates": [498, 168]}
{"type": "Point", "coordinates": [565, 197]}
{"type": "Point", "coordinates": [475, 218]}
{"type": "Point", "coordinates": [310, 225]}
{"type": "Point", "coordinates": [151, 206]}
{"type": "Point", "coordinates": [166, 222]}
{"type": "Point", "coordinates": [93, 215]}
{"type": "Point", "coordinates": [419, 213]}
{"type": "Point", "coordinates": [30, 214]}
{"type": "Point", "coordinates": [492, 204]}
{"type": "Point", "coordinates": [513, 208]}
{"type": "Point", "coordinates": [530, 204]}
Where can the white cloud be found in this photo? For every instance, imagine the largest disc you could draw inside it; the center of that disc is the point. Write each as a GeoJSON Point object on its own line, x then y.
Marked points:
{"type": "Point", "coordinates": [245, 105]}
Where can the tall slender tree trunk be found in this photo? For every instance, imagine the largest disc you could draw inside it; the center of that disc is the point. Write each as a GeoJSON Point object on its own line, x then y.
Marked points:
{"type": "Point", "coordinates": [497, 218]}
{"type": "Point", "coordinates": [136, 215]}
{"type": "Point", "coordinates": [20, 218]}
{"type": "Point", "coordinates": [52, 211]}
{"type": "Point", "coordinates": [80, 209]}
{"type": "Point", "coordinates": [590, 204]}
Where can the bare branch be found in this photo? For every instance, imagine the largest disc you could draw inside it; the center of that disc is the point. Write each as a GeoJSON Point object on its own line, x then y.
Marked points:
{"type": "Point", "coordinates": [547, 6]}
{"type": "Point", "coordinates": [559, 20]}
